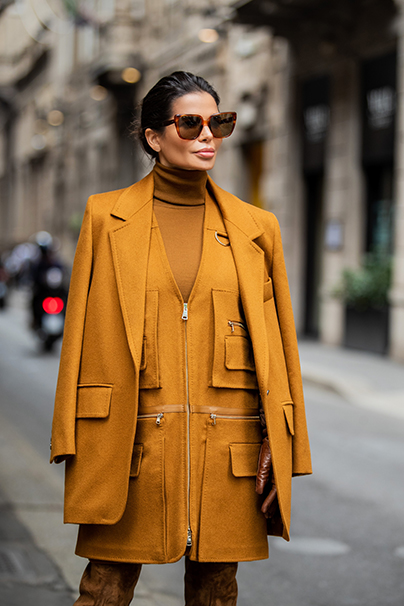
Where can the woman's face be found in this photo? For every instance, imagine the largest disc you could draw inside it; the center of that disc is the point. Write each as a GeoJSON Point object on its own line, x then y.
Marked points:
{"type": "Point", "coordinates": [198, 154]}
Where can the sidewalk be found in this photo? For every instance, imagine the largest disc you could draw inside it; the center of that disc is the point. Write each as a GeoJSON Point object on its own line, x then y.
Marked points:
{"type": "Point", "coordinates": [363, 379]}
{"type": "Point", "coordinates": [27, 574]}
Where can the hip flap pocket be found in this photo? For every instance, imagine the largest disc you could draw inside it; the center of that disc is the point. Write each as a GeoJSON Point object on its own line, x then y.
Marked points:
{"type": "Point", "coordinates": [146, 502]}
{"type": "Point", "coordinates": [233, 358]}
{"type": "Point", "coordinates": [230, 506]}
{"type": "Point", "coordinates": [288, 410]}
{"type": "Point", "coordinates": [244, 459]}
{"type": "Point", "coordinates": [93, 401]}
{"type": "Point", "coordinates": [149, 377]}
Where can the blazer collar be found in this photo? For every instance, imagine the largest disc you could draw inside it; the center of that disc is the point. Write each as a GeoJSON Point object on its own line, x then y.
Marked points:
{"type": "Point", "coordinates": [235, 211]}
{"type": "Point", "coordinates": [133, 198]}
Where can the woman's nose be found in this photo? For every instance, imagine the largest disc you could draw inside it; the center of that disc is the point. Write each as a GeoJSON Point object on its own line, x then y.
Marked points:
{"type": "Point", "coordinates": [206, 134]}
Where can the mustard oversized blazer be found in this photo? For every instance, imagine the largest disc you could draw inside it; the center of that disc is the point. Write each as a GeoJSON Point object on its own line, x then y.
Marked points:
{"type": "Point", "coordinates": [103, 340]}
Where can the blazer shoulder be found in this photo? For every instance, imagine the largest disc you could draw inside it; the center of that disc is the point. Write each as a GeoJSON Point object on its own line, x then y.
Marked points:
{"type": "Point", "coordinates": [105, 202]}
{"type": "Point", "coordinates": [260, 217]}
{"type": "Point", "coordinates": [263, 216]}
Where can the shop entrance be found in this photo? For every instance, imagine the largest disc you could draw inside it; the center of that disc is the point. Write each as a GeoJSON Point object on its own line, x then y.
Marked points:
{"type": "Point", "coordinates": [379, 199]}
{"type": "Point", "coordinates": [315, 114]}
{"type": "Point", "coordinates": [314, 238]}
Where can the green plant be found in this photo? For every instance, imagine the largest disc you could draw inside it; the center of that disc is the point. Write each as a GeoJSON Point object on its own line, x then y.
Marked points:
{"type": "Point", "coordinates": [366, 287]}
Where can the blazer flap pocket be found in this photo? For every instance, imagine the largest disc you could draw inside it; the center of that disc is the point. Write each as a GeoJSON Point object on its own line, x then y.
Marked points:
{"type": "Point", "coordinates": [268, 290]}
{"type": "Point", "coordinates": [238, 355]}
{"type": "Point", "coordinates": [136, 460]}
{"type": "Point", "coordinates": [93, 401]}
{"type": "Point", "coordinates": [244, 459]}
{"type": "Point", "coordinates": [288, 411]}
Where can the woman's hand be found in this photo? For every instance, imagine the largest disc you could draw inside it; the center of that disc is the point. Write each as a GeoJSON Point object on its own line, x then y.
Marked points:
{"type": "Point", "coordinates": [266, 479]}
{"type": "Point", "coordinates": [264, 466]}
{"type": "Point", "coordinates": [270, 506]}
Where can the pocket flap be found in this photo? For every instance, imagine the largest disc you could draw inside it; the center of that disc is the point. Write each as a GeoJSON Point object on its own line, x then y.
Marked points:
{"type": "Point", "coordinates": [149, 377]}
{"type": "Point", "coordinates": [136, 460]}
{"type": "Point", "coordinates": [93, 401]}
{"type": "Point", "coordinates": [238, 355]}
{"type": "Point", "coordinates": [288, 410]}
{"type": "Point", "coordinates": [268, 290]}
{"type": "Point", "coordinates": [143, 361]}
{"type": "Point", "coordinates": [244, 459]}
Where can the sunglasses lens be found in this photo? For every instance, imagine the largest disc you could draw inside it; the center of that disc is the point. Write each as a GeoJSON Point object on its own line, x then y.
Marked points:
{"type": "Point", "coordinates": [189, 126]}
{"type": "Point", "coordinates": [222, 125]}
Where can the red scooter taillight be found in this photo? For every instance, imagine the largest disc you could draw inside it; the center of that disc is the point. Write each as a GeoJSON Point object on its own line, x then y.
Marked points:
{"type": "Point", "coordinates": [52, 305]}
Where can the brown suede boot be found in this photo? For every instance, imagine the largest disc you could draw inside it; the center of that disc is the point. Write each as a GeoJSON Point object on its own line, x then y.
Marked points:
{"type": "Point", "coordinates": [108, 584]}
{"type": "Point", "coordinates": [210, 583]}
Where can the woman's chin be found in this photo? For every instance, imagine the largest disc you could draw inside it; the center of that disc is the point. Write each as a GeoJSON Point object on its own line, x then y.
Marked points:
{"type": "Point", "coordinates": [203, 163]}
{"type": "Point", "coordinates": [193, 163]}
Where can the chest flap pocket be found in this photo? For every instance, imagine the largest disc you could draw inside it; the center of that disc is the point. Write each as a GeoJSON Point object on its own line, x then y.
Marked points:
{"type": "Point", "coordinates": [233, 358]}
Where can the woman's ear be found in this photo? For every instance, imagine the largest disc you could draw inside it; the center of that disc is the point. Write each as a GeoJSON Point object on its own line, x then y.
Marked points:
{"type": "Point", "coordinates": [153, 139]}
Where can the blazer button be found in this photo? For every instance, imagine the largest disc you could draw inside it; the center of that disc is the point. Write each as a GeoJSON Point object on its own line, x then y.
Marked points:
{"type": "Point", "coordinates": [267, 392]}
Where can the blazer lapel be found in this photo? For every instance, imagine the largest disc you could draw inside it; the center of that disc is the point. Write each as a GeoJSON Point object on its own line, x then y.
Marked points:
{"type": "Point", "coordinates": [250, 263]}
{"type": "Point", "coordinates": [130, 249]}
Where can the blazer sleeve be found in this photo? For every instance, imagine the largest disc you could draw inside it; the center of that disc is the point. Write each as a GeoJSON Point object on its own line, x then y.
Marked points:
{"type": "Point", "coordinates": [301, 448]}
{"type": "Point", "coordinates": [64, 417]}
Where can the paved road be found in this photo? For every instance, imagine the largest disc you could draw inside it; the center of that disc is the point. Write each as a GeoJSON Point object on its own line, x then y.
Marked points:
{"type": "Point", "coordinates": [347, 543]}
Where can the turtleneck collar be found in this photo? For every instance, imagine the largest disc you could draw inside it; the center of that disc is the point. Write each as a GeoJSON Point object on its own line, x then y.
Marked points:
{"type": "Point", "coordinates": [178, 186]}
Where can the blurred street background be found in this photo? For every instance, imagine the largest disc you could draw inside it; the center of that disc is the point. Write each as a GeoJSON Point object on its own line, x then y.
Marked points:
{"type": "Point", "coordinates": [318, 87]}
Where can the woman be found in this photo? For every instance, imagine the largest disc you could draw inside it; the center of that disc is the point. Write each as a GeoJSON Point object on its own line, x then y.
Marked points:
{"type": "Point", "coordinates": [179, 373]}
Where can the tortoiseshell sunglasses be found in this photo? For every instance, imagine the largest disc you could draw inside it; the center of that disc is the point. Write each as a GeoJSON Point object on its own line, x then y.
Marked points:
{"type": "Point", "coordinates": [189, 126]}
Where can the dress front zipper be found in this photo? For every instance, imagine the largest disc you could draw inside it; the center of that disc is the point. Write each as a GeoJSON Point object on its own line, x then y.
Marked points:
{"type": "Point", "coordinates": [215, 416]}
{"type": "Point", "coordinates": [189, 532]}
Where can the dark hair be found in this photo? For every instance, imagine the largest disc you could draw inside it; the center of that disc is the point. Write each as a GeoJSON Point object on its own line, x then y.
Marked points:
{"type": "Point", "coordinates": [156, 106]}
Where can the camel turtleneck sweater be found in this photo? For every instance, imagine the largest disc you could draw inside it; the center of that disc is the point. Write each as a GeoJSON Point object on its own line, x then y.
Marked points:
{"type": "Point", "coordinates": [179, 207]}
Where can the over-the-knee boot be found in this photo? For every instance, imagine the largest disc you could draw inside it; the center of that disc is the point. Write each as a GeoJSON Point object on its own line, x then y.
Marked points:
{"type": "Point", "coordinates": [108, 583]}
{"type": "Point", "coordinates": [210, 583]}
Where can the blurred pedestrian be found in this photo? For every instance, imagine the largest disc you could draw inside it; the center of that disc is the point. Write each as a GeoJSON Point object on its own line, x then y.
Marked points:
{"type": "Point", "coordinates": [179, 374]}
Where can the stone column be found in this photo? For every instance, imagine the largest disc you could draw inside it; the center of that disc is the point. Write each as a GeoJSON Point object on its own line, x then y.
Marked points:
{"type": "Point", "coordinates": [282, 177]}
{"type": "Point", "coordinates": [342, 196]}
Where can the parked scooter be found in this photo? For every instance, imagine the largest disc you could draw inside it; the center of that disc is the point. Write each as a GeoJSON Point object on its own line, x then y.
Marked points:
{"type": "Point", "coordinates": [49, 294]}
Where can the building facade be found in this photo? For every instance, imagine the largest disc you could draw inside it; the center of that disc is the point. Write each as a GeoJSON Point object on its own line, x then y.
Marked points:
{"type": "Point", "coordinates": [337, 159]}
{"type": "Point", "coordinates": [317, 88]}
{"type": "Point", "coordinates": [70, 80]}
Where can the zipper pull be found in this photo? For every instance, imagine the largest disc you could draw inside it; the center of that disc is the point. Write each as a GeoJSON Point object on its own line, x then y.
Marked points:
{"type": "Point", "coordinates": [159, 417]}
{"type": "Point", "coordinates": [189, 538]}
{"type": "Point", "coordinates": [185, 312]}
{"type": "Point", "coordinates": [213, 417]}
{"type": "Point", "coordinates": [231, 324]}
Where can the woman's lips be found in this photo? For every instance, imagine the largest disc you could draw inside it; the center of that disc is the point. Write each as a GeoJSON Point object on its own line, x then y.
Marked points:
{"type": "Point", "coordinates": [208, 152]}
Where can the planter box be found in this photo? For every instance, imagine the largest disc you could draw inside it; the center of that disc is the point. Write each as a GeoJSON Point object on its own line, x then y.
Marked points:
{"type": "Point", "coordinates": [367, 330]}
